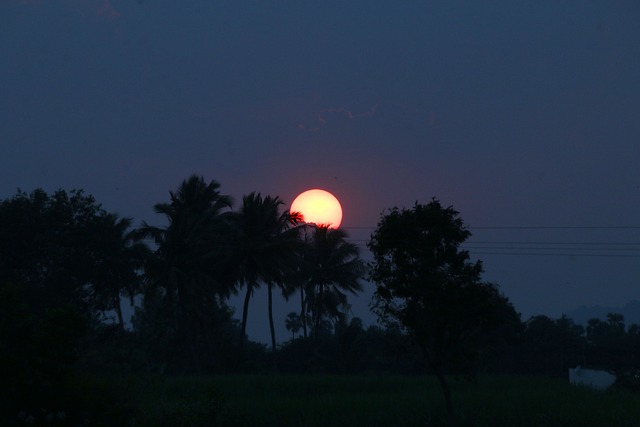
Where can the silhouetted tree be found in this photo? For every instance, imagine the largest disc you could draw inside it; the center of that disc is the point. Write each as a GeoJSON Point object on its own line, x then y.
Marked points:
{"type": "Point", "coordinates": [293, 323]}
{"type": "Point", "coordinates": [298, 278]}
{"type": "Point", "coordinates": [118, 272]}
{"type": "Point", "coordinates": [550, 347]}
{"type": "Point", "coordinates": [333, 268]}
{"type": "Point", "coordinates": [609, 344]}
{"type": "Point", "coordinates": [66, 250]}
{"type": "Point", "coordinates": [426, 283]}
{"type": "Point", "coordinates": [188, 272]}
{"type": "Point", "coordinates": [54, 291]}
{"type": "Point", "coordinates": [264, 250]}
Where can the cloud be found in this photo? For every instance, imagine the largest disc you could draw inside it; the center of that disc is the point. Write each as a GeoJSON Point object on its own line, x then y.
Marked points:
{"type": "Point", "coordinates": [323, 117]}
{"type": "Point", "coordinates": [102, 9]}
{"type": "Point", "coordinates": [106, 10]}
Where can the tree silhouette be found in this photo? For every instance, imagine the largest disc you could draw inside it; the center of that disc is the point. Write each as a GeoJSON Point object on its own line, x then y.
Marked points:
{"type": "Point", "coordinates": [608, 343]}
{"type": "Point", "coordinates": [550, 347]}
{"type": "Point", "coordinates": [293, 323]}
{"type": "Point", "coordinates": [188, 269]}
{"type": "Point", "coordinates": [62, 247]}
{"type": "Point", "coordinates": [426, 283]}
{"type": "Point", "coordinates": [118, 272]}
{"type": "Point", "coordinates": [265, 251]}
{"type": "Point", "coordinates": [333, 268]}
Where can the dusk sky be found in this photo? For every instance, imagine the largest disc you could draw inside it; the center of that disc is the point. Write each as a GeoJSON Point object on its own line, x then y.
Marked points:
{"type": "Point", "coordinates": [522, 115]}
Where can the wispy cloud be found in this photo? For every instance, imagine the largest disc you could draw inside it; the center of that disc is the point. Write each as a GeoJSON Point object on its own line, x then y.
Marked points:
{"type": "Point", "coordinates": [324, 116]}
{"type": "Point", "coordinates": [102, 9]}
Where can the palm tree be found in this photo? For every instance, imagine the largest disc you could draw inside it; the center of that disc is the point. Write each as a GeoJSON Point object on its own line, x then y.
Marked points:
{"type": "Point", "coordinates": [118, 273]}
{"type": "Point", "coordinates": [299, 278]}
{"type": "Point", "coordinates": [293, 323]}
{"type": "Point", "coordinates": [265, 250]}
{"type": "Point", "coordinates": [189, 264]}
{"type": "Point", "coordinates": [333, 269]}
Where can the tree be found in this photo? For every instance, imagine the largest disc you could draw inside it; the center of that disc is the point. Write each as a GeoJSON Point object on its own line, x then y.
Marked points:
{"type": "Point", "coordinates": [55, 250]}
{"type": "Point", "coordinates": [432, 288]}
{"type": "Point", "coordinates": [293, 323]}
{"type": "Point", "coordinates": [333, 268]}
{"type": "Point", "coordinates": [60, 247]}
{"type": "Point", "coordinates": [609, 345]}
{"type": "Point", "coordinates": [118, 272]}
{"type": "Point", "coordinates": [550, 347]}
{"type": "Point", "coordinates": [264, 251]}
{"type": "Point", "coordinates": [188, 272]}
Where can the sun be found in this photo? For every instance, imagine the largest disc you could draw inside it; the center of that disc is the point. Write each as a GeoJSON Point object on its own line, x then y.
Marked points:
{"type": "Point", "coordinates": [319, 207]}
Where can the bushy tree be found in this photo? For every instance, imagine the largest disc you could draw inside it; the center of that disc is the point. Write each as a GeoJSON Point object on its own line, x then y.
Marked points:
{"type": "Point", "coordinates": [610, 347]}
{"type": "Point", "coordinates": [66, 250]}
{"type": "Point", "coordinates": [430, 286]}
{"type": "Point", "coordinates": [551, 346]}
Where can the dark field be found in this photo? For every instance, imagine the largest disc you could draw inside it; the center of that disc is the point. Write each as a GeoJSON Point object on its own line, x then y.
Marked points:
{"type": "Point", "coordinates": [283, 400]}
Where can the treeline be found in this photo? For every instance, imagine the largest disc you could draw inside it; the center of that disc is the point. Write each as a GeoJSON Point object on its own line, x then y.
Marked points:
{"type": "Point", "coordinates": [539, 346]}
{"type": "Point", "coordinates": [66, 265]}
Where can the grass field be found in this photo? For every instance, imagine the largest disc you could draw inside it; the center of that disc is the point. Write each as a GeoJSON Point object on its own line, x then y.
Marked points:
{"type": "Point", "coordinates": [373, 400]}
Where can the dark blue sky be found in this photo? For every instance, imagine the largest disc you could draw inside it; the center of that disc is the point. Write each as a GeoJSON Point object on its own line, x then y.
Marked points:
{"type": "Point", "coordinates": [517, 113]}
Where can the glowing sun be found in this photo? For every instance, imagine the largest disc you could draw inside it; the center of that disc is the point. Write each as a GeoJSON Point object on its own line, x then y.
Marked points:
{"type": "Point", "coordinates": [319, 207]}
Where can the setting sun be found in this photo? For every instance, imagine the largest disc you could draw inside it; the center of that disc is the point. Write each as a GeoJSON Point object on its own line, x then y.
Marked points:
{"type": "Point", "coordinates": [319, 207]}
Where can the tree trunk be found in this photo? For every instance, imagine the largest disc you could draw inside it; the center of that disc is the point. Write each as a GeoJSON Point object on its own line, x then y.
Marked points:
{"type": "Point", "coordinates": [243, 329]}
{"type": "Point", "coordinates": [446, 391]}
{"type": "Point", "coordinates": [318, 313]}
{"type": "Point", "coordinates": [186, 329]}
{"type": "Point", "coordinates": [303, 315]}
{"type": "Point", "coordinates": [271, 327]}
{"type": "Point", "coordinates": [118, 307]}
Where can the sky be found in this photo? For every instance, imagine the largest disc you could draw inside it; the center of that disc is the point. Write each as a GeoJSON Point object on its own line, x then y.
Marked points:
{"type": "Point", "coordinates": [524, 116]}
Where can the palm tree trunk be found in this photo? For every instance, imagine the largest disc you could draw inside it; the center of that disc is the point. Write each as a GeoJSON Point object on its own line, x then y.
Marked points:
{"type": "Point", "coordinates": [243, 329]}
{"type": "Point", "coordinates": [318, 313]}
{"type": "Point", "coordinates": [303, 314]}
{"type": "Point", "coordinates": [118, 307]}
{"type": "Point", "coordinates": [271, 327]}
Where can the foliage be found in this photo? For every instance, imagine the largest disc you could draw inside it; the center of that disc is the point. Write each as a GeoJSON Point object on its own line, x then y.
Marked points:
{"type": "Point", "coordinates": [264, 250]}
{"type": "Point", "coordinates": [430, 286]}
{"type": "Point", "coordinates": [349, 349]}
{"type": "Point", "coordinates": [293, 323]}
{"type": "Point", "coordinates": [157, 336]}
{"type": "Point", "coordinates": [331, 268]}
{"type": "Point", "coordinates": [117, 273]}
{"type": "Point", "coordinates": [40, 382]}
{"type": "Point", "coordinates": [187, 275]}
{"type": "Point", "coordinates": [550, 347]}
{"type": "Point", "coordinates": [609, 344]}
{"type": "Point", "coordinates": [67, 250]}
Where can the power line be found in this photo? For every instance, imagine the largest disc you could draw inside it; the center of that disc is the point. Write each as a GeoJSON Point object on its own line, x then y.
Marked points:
{"type": "Point", "coordinates": [548, 247]}
{"type": "Point", "coordinates": [557, 254]}
{"type": "Point", "coordinates": [502, 242]}
{"type": "Point", "coordinates": [579, 227]}
{"type": "Point", "coordinates": [529, 227]}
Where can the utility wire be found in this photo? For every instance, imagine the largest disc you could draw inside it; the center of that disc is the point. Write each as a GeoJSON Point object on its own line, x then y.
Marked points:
{"type": "Point", "coordinates": [549, 248]}
{"type": "Point", "coordinates": [528, 227]}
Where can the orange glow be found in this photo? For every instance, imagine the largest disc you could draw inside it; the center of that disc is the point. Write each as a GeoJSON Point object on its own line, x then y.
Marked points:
{"type": "Point", "coordinates": [319, 207]}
